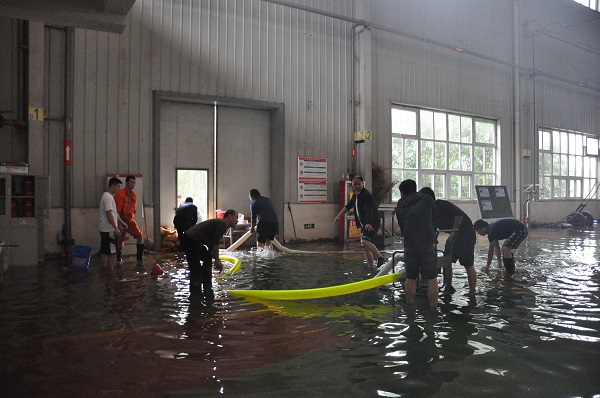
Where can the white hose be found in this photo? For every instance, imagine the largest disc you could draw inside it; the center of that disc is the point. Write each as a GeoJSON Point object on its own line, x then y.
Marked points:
{"type": "Point", "coordinates": [239, 242]}
{"type": "Point", "coordinates": [289, 251]}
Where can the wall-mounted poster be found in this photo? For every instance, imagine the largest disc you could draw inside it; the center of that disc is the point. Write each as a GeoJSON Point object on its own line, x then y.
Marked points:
{"type": "Point", "coordinates": [493, 201]}
{"type": "Point", "coordinates": [312, 180]}
{"type": "Point", "coordinates": [312, 191]}
{"type": "Point", "coordinates": [312, 168]}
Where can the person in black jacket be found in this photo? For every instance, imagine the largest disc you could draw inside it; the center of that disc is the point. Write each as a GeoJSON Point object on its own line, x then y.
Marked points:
{"type": "Point", "coordinates": [367, 219]}
{"type": "Point", "coordinates": [186, 216]}
{"type": "Point", "coordinates": [416, 213]}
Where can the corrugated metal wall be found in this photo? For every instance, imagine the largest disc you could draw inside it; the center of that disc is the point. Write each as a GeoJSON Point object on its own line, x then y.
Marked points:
{"type": "Point", "coordinates": [13, 146]}
{"type": "Point", "coordinates": [234, 48]}
{"type": "Point", "coordinates": [417, 72]}
{"type": "Point", "coordinates": [255, 50]}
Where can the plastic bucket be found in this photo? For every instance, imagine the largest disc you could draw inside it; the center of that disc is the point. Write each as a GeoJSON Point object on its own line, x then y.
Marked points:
{"type": "Point", "coordinates": [220, 214]}
{"type": "Point", "coordinates": [81, 257]}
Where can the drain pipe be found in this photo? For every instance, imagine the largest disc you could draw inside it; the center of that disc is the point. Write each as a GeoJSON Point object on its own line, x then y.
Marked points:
{"type": "Point", "coordinates": [68, 241]}
{"type": "Point", "coordinates": [516, 107]}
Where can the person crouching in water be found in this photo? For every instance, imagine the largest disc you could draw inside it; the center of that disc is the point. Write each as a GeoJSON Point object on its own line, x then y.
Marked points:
{"type": "Point", "coordinates": [367, 219]}
{"type": "Point", "coordinates": [514, 231]}
{"type": "Point", "coordinates": [201, 245]}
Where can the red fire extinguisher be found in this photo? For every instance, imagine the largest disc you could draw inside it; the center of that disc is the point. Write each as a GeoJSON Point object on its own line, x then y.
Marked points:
{"type": "Point", "coordinates": [14, 209]}
{"type": "Point", "coordinates": [28, 208]}
{"type": "Point", "coordinates": [27, 186]}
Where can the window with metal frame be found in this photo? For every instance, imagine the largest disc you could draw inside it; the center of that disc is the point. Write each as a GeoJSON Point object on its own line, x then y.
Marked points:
{"type": "Point", "coordinates": [449, 152]}
{"type": "Point", "coordinates": [568, 164]}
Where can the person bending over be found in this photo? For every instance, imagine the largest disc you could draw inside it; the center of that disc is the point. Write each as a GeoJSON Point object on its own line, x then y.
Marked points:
{"type": "Point", "coordinates": [263, 217]}
{"type": "Point", "coordinates": [514, 231]}
{"type": "Point", "coordinates": [452, 217]}
{"type": "Point", "coordinates": [201, 246]}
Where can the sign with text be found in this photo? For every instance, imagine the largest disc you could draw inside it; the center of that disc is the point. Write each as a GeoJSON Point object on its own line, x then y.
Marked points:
{"type": "Point", "coordinates": [312, 191]}
{"type": "Point", "coordinates": [312, 168]}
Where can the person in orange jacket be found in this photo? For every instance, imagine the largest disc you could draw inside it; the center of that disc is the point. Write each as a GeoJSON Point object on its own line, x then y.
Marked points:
{"type": "Point", "coordinates": [126, 201]}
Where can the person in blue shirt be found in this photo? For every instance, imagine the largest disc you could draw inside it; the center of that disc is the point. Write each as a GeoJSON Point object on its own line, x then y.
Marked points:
{"type": "Point", "coordinates": [514, 231]}
{"type": "Point", "coordinates": [263, 212]}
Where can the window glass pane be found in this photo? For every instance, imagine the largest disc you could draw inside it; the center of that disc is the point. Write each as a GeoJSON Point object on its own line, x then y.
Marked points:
{"type": "Point", "coordinates": [410, 153]}
{"type": "Point", "coordinates": [591, 146]}
{"type": "Point", "coordinates": [555, 164]}
{"type": "Point", "coordinates": [578, 145]}
{"type": "Point", "coordinates": [480, 179]}
{"type": "Point", "coordinates": [593, 167]}
{"type": "Point", "coordinates": [579, 166]}
{"type": "Point", "coordinates": [564, 165]}
{"type": "Point", "coordinates": [465, 189]}
{"type": "Point", "coordinates": [490, 179]}
{"type": "Point", "coordinates": [466, 129]}
{"type": "Point", "coordinates": [440, 126]}
{"type": "Point", "coordinates": [556, 141]}
{"type": "Point", "coordinates": [396, 176]}
{"type": "Point", "coordinates": [564, 142]}
{"type": "Point", "coordinates": [546, 188]}
{"type": "Point", "coordinates": [426, 180]}
{"type": "Point", "coordinates": [411, 175]}
{"type": "Point", "coordinates": [404, 122]}
{"type": "Point", "coordinates": [571, 165]}
{"type": "Point", "coordinates": [397, 152]}
{"type": "Point", "coordinates": [490, 161]}
{"type": "Point", "coordinates": [454, 156]}
{"type": "Point", "coordinates": [484, 132]}
{"type": "Point", "coordinates": [454, 186]}
{"type": "Point", "coordinates": [440, 155]}
{"type": "Point", "coordinates": [546, 168]}
{"type": "Point", "coordinates": [586, 167]}
{"type": "Point", "coordinates": [454, 128]}
{"type": "Point", "coordinates": [426, 124]}
{"type": "Point", "coordinates": [439, 184]}
{"type": "Point", "coordinates": [478, 159]}
{"type": "Point", "coordinates": [546, 142]}
{"type": "Point", "coordinates": [571, 138]}
{"type": "Point", "coordinates": [426, 154]}
{"type": "Point", "coordinates": [465, 157]}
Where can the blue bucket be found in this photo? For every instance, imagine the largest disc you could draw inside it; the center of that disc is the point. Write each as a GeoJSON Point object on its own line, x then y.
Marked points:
{"type": "Point", "coordinates": [81, 257]}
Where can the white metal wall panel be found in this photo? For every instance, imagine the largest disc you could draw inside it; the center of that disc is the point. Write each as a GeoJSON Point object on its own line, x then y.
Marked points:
{"type": "Point", "coordinates": [227, 48]}
{"type": "Point", "coordinates": [186, 141]}
{"type": "Point", "coordinates": [243, 156]}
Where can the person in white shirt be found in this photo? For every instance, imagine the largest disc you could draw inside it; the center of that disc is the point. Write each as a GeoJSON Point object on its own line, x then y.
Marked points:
{"type": "Point", "coordinates": [108, 224]}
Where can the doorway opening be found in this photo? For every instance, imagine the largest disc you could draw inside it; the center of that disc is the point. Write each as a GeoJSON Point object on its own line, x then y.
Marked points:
{"type": "Point", "coordinates": [193, 183]}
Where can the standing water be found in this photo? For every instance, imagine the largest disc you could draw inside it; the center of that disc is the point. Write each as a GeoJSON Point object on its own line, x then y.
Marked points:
{"type": "Point", "coordinates": [131, 334]}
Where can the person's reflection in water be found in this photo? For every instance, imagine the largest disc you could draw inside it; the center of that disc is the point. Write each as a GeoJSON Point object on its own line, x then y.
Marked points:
{"type": "Point", "coordinates": [432, 338]}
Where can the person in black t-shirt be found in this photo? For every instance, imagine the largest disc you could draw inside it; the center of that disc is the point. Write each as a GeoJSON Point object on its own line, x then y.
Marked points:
{"type": "Point", "coordinates": [452, 217]}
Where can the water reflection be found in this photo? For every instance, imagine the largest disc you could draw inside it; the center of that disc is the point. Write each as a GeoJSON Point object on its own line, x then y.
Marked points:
{"type": "Point", "coordinates": [127, 332]}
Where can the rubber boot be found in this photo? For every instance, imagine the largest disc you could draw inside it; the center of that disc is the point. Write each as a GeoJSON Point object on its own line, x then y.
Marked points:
{"type": "Point", "coordinates": [140, 251]}
{"type": "Point", "coordinates": [509, 264]}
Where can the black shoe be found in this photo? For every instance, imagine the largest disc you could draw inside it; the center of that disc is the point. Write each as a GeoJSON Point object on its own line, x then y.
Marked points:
{"type": "Point", "coordinates": [380, 261]}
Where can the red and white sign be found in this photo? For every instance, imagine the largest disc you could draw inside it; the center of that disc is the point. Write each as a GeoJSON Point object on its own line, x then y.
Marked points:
{"type": "Point", "coordinates": [68, 152]}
